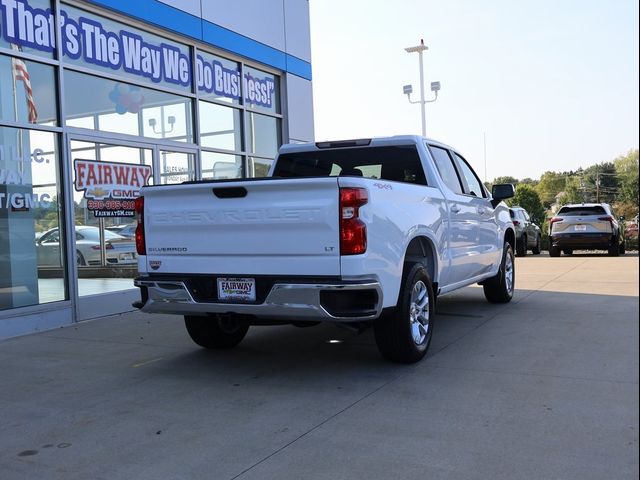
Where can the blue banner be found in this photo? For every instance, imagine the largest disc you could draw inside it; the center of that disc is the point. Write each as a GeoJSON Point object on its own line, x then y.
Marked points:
{"type": "Point", "coordinates": [124, 50]}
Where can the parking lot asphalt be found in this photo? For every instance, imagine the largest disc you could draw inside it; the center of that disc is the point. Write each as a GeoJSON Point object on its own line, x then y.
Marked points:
{"type": "Point", "coordinates": [545, 387]}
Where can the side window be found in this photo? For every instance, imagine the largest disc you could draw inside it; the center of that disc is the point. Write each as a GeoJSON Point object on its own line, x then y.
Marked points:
{"type": "Point", "coordinates": [474, 185]}
{"type": "Point", "coordinates": [447, 171]}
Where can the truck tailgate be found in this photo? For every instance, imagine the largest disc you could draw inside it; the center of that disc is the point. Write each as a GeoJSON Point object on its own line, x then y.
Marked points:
{"type": "Point", "coordinates": [257, 227]}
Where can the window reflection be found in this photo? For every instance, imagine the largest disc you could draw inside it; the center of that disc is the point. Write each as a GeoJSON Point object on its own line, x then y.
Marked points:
{"type": "Point", "coordinates": [220, 127]}
{"type": "Point", "coordinates": [263, 134]}
{"type": "Point", "coordinates": [259, 167]}
{"type": "Point", "coordinates": [112, 106]}
{"type": "Point", "coordinates": [33, 91]}
{"type": "Point", "coordinates": [29, 196]}
{"type": "Point", "coordinates": [221, 165]}
{"type": "Point", "coordinates": [176, 167]}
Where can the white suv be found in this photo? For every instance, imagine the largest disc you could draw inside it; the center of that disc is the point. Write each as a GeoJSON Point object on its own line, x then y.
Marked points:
{"type": "Point", "coordinates": [585, 226]}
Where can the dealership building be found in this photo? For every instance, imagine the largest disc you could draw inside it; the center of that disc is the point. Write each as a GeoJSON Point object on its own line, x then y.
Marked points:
{"type": "Point", "coordinates": [100, 97]}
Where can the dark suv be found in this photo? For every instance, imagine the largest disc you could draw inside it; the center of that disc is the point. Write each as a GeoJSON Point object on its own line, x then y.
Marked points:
{"type": "Point", "coordinates": [527, 233]}
{"type": "Point", "coordinates": [585, 226]}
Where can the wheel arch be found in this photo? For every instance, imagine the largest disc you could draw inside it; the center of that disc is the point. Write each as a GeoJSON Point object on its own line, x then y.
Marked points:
{"type": "Point", "coordinates": [510, 238]}
{"type": "Point", "coordinates": [422, 250]}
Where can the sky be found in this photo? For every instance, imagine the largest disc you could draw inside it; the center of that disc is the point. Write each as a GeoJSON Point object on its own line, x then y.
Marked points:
{"type": "Point", "coordinates": [538, 85]}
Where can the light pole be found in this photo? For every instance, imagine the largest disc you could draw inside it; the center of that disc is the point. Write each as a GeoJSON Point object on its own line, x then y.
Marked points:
{"type": "Point", "coordinates": [408, 89]}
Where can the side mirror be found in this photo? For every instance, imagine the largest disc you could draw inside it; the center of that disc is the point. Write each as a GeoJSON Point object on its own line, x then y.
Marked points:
{"type": "Point", "coordinates": [501, 192]}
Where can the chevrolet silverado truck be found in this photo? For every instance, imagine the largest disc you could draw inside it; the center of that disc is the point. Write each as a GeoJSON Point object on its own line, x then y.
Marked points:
{"type": "Point", "coordinates": [362, 233]}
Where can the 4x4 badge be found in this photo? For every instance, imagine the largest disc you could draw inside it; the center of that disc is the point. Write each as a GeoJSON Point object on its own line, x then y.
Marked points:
{"type": "Point", "coordinates": [155, 264]}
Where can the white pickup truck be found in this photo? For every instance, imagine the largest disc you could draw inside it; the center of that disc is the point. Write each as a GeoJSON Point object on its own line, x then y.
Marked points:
{"type": "Point", "coordinates": [358, 232]}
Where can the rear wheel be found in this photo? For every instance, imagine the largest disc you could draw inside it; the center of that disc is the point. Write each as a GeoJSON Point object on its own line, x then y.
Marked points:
{"type": "Point", "coordinates": [216, 331]}
{"type": "Point", "coordinates": [521, 246]}
{"type": "Point", "coordinates": [499, 289]}
{"type": "Point", "coordinates": [404, 334]}
{"type": "Point", "coordinates": [80, 261]}
{"type": "Point", "coordinates": [536, 248]}
{"type": "Point", "coordinates": [554, 251]}
{"type": "Point", "coordinates": [614, 249]}
{"type": "Point", "coordinates": [622, 248]}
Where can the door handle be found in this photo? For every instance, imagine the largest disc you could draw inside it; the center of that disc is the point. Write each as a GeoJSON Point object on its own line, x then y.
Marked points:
{"type": "Point", "coordinates": [481, 210]}
{"type": "Point", "coordinates": [455, 209]}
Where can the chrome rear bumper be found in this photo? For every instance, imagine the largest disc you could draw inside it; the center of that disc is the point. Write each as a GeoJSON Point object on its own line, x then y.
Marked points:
{"type": "Point", "coordinates": [287, 301]}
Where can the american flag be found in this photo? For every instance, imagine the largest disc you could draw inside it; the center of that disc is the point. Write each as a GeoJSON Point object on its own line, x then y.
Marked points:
{"type": "Point", "coordinates": [20, 73]}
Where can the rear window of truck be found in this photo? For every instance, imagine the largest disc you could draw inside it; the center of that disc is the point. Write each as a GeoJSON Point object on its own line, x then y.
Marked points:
{"type": "Point", "coordinates": [398, 164]}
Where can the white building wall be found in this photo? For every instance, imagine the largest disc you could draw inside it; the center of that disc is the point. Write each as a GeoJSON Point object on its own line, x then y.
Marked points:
{"type": "Point", "coordinates": [300, 109]}
{"type": "Point", "coordinates": [297, 38]}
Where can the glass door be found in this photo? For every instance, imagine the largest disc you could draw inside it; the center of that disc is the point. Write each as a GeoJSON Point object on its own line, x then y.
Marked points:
{"type": "Point", "coordinates": [106, 178]}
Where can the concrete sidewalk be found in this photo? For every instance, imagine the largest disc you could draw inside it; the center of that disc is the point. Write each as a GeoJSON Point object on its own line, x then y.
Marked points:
{"type": "Point", "coordinates": [544, 387]}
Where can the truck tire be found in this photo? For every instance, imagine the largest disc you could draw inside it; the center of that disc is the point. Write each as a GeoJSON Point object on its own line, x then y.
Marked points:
{"type": "Point", "coordinates": [521, 246]}
{"type": "Point", "coordinates": [404, 334]}
{"type": "Point", "coordinates": [614, 249]}
{"type": "Point", "coordinates": [216, 331]}
{"type": "Point", "coordinates": [536, 248]}
{"type": "Point", "coordinates": [499, 289]}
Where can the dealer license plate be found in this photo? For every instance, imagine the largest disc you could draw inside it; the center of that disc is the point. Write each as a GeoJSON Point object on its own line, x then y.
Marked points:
{"type": "Point", "coordinates": [580, 228]}
{"type": "Point", "coordinates": [237, 289]}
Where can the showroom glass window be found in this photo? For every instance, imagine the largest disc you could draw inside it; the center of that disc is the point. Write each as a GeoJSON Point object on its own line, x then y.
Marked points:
{"type": "Point", "coordinates": [28, 91]}
{"type": "Point", "coordinates": [262, 123]}
{"type": "Point", "coordinates": [98, 43]}
{"type": "Point", "coordinates": [220, 90]}
{"type": "Point", "coordinates": [31, 271]}
{"type": "Point", "coordinates": [136, 82]}
{"type": "Point", "coordinates": [96, 103]}
{"type": "Point", "coordinates": [26, 27]}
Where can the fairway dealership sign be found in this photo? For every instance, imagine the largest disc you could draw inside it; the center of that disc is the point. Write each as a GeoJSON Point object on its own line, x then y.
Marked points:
{"type": "Point", "coordinates": [110, 188]}
{"type": "Point", "coordinates": [90, 41]}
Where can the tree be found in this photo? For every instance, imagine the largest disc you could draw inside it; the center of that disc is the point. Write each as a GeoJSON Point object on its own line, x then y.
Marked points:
{"type": "Point", "coordinates": [527, 198]}
{"type": "Point", "coordinates": [506, 179]}
{"type": "Point", "coordinates": [626, 168]}
{"type": "Point", "coordinates": [550, 185]}
{"type": "Point", "coordinates": [573, 191]}
{"type": "Point", "coordinates": [599, 183]}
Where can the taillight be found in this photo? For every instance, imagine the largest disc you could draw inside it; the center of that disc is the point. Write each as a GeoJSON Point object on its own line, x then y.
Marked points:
{"type": "Point", "coordinates": [554, 220]}
{"type": "Point", "coordinates": [107, 246]}
{"type": "Point", "coordinates": [516, 222]}
{"type": "Point", "coordinates": [353, 231]}
{"type": "Point", "coordinates": [141, 248]}
{"type": "Point", "coordinates": [608, 218]}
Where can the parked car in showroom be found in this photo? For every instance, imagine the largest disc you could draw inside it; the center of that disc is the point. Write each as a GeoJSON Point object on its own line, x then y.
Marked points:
{"type": "Point", "coordinates": [528, 235]}
{"type": "Point", "coordinates": [120, 250]}
{"type": "Point", "coordinates": [586, 226]}
{"type": "Point", "coordinates": [128, 230]}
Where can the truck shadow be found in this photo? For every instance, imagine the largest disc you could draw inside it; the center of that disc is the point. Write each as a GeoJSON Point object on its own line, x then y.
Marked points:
{"type": "Point", "coordinates": [276, 354]}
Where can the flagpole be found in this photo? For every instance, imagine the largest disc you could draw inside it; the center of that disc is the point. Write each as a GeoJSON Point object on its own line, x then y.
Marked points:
{"type": "Point", "coordinates": [15, 110]}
